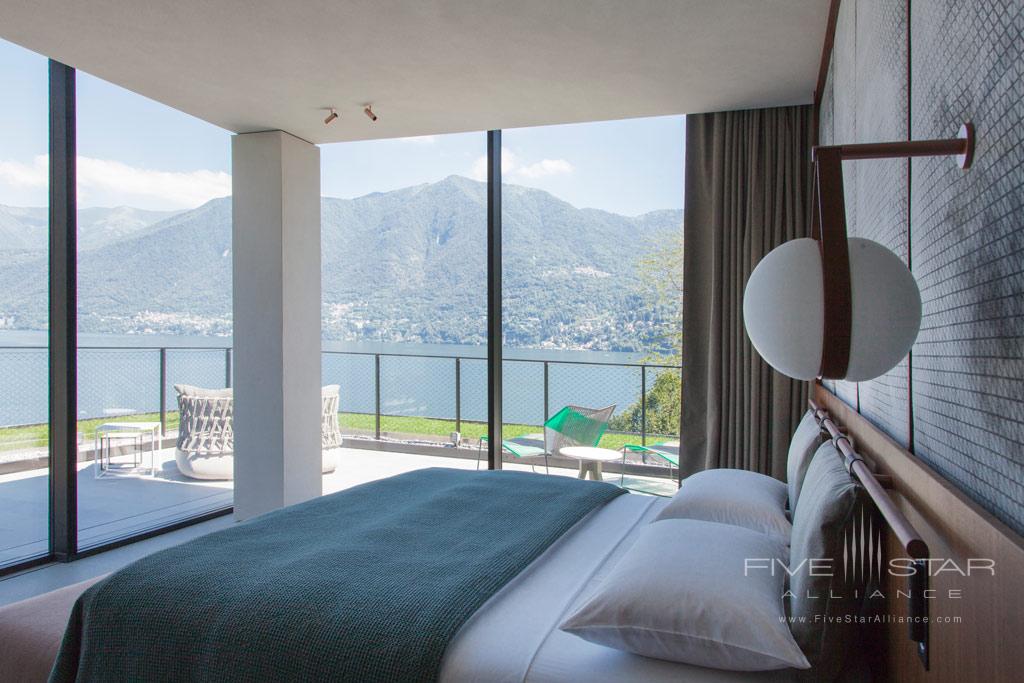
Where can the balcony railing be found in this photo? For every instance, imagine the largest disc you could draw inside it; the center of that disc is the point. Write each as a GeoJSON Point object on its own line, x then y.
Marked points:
{"type": "Point", "coordinates": [382, 393]}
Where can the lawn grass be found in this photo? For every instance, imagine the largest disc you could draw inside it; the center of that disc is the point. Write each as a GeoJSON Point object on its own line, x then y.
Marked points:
{"type": "Point", "coordinates": [471, 431]}
{"type": "Point", "coordinates": [36, 436]}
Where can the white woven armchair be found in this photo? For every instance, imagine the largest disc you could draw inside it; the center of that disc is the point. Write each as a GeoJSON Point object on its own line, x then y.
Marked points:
{"type": "Point", "coordinates": [330, 433]}
{"type": "Point", "coordinates": [206, 440]}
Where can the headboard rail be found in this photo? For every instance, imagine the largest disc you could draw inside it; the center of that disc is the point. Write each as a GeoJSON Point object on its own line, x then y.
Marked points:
{"type": "Point", "coordinates": [910, 540]}
{"type": "Point", "coordinates": [973, 564]}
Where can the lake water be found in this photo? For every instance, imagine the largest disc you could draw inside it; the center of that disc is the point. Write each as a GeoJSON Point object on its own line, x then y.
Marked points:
{"type": "Point", "coordinates": [119, 374]}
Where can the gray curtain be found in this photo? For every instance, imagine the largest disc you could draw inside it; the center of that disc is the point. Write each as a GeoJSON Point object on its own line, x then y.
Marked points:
{"type": "Point", "coordinates": [748, 181]}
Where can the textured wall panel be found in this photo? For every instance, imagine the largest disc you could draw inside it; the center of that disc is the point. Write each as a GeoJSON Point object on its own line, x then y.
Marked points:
{"type": "Point", "coordinates": [882, 101]}
{"type": "Point", "coordinates": [844, 126]}
{"type": "Point", "coordinates": [968, 250]}
{"type": "Point", "coordinates": [966, 237]}
{"type": "Point", "coordinates": [826, 110]}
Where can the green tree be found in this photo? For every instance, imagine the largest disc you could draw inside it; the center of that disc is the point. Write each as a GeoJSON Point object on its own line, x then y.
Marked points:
{"type": "Point", "coordinates": [664, 401]}
{"type": "Point", "coordinates": [661, 277]}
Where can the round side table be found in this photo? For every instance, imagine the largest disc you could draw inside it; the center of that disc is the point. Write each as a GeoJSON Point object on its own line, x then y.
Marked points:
{"type": "Point", "coordinates": [591, 459]}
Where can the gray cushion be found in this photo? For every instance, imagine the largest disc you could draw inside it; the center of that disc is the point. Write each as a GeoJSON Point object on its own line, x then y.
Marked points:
{"type": "Point", "coordinates": [821, 593]}
{"type": "Point", "coordinates": [806, 440]}
{"type": "Point", "coordinates": [200, 392]}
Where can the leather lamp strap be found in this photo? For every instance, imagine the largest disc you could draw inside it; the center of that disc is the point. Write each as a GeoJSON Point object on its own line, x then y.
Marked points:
{"type": "Point", "coordinates": [830, 222]}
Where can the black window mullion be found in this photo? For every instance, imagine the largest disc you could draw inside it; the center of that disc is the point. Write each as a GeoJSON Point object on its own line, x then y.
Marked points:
{"type": "Point", "coordinates": [494, 299]}
{"type": "Point", "coordinates": [63, 324]}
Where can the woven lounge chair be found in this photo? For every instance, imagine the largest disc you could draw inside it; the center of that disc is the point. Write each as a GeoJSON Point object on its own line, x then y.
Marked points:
{"type": "Point", "coordinates": [570, 426]}
{"type": "Point", "coordinates": [206, 439]}
{"type": "Point", "coordinates": [330, 432]}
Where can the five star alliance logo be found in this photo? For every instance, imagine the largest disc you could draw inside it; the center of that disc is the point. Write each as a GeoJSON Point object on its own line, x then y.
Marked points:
{"type": "Point", "coordinates": [862, 557]}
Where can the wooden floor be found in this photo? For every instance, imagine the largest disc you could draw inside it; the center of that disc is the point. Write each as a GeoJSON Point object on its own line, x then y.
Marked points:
{"type": "Point", "coordinates": [116, 506]}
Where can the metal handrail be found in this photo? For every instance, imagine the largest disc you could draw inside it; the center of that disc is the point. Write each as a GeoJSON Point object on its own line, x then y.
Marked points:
{"type": "Point", "coordinates": [377, 355]}
{"type": "Point", "coordinates": [510, 360]}
{"type": "Point", "coordinates": [665, 366]}
{"type": "Point", "coordinates": [38, 347]}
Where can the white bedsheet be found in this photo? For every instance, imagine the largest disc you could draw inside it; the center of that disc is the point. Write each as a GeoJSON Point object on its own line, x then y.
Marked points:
{"type": "Point", "coordinates": [515, 635]}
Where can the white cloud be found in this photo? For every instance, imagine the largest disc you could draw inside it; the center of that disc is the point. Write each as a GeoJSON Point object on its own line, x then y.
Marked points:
{"type": "Point", "coordinates": [512, 168]}
{"type": "Point", "coordinates": [36, 174]}
{"type": "Point", "coordinates": [116, 182]}
{"type": "Point", "coordinates": [479, 170]}
{"type": "Point", "coordinates": [175, 189]}
{"type": "Point", "coordinates": [545, 167]}
{"type": "Point", "coordinates": [509, 162]}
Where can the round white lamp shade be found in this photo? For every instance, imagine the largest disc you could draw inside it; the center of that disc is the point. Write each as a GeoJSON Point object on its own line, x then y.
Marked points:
{"type": "Point", "coordinates": [784, 309]}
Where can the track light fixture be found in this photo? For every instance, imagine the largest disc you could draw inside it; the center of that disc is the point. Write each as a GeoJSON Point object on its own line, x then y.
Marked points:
{"type": "Point", "coordinates": [330, 117]}
{"type": "Point", "coordinates": [369, 112]}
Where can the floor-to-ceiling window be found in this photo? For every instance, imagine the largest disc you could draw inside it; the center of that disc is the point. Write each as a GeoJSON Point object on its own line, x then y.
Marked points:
{"type": "Point", "coordinates": [24, 184]}
{"type": "Point", "coordinates": [404, 230]}
{"type": "Point", "coordinates": [592, 244]}
{"type": "Point", "coordinates": [592, 257]}
{"type": "Point", "coordinates": [154, 305]}
{"type": "Point", "coordinates": [591, 237]}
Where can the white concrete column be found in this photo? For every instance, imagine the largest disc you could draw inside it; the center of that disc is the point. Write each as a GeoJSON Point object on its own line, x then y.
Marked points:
{"type": "Point", "coordinates": [275, 179]}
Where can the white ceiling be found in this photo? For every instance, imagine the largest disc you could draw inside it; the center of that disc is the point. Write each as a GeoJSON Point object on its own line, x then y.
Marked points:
{"type": "Point", "coordinates": [433, 66]}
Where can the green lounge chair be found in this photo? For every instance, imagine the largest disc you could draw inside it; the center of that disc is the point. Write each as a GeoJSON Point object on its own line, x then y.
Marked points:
{"type": "Point", "coordinates": [570, 426]}
{"type": "Point", "coordinates": [667, 450]}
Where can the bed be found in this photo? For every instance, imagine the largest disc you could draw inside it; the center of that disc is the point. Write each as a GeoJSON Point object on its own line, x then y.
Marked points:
{"type": "Point", "coordinates": [454, 575]}
{"type": "Point", "coordinates": [515, 635]}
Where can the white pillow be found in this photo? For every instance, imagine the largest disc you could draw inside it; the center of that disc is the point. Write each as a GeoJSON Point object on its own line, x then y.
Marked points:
{"type": "Point", "coordinates": [747, 499]}
{"type": "Point", "coordinates": [685, 592]}
{"type": "Point", "coordinates": [802, 447]}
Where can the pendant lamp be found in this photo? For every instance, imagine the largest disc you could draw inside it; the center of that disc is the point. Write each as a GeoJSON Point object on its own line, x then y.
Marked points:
{"type": "Point", "coordinates": [833, 306]}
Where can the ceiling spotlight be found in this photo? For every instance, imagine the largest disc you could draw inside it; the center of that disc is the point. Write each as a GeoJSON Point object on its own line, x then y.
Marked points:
{"type": "Point", "coordinates": [330, 117]}
{"type": "Point", "coordinates": [369, 112]}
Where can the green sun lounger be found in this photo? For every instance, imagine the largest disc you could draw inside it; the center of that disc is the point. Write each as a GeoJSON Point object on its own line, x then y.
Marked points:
{"type": "Point", "coordinates": [667, 450]}
{"type": "Point", "coordinates": [570, 426]}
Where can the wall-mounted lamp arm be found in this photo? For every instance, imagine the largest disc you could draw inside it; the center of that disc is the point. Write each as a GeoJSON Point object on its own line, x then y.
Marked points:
{"type": "Point", "coordinates": [829, 228]}
{"type": "Point", "coordinates": [961, 147]}
{"type": "Point", "coordinates": [863, 286]}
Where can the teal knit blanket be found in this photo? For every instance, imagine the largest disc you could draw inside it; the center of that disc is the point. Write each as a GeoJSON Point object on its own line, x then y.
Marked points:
{"type": "Point", "coordinates": [368, 584]}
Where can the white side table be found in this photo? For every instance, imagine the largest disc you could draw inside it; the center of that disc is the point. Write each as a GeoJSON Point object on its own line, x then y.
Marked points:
{"type": "Point", "coordinates": [591, 459]}
{"type": "Point", "coordinates": [107, 434]}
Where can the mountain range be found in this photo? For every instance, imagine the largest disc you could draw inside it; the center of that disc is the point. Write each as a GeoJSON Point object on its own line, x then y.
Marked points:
{"type": "Point", "coordinates": [26, 229]}
{"type": "Point", "coordinates": [402, 266]}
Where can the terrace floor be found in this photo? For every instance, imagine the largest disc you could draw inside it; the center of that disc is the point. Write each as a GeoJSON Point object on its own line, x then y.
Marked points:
{"type": "Point", "coordinates": [120, 505]}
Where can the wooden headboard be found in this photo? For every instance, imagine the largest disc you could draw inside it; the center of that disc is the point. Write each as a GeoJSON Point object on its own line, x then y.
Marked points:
{"type": "Point", "coordinates": [983, 645]}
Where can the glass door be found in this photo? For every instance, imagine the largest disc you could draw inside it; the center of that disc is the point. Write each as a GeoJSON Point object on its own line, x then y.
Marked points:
{"type": "Point", "coordinates": [24, 278]}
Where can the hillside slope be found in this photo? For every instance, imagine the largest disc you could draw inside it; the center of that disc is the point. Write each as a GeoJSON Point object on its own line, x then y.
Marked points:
{"type": "Point", "coordinates": [406, 265]}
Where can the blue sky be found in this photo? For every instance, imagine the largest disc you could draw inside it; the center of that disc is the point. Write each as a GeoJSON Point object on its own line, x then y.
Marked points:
{"type": "Point", "coordinates": [140, 153]}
